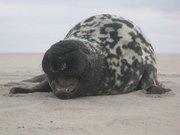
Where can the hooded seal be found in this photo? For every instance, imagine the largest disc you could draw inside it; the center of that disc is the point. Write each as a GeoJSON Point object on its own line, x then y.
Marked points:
{"type": "Point", "coordinates": [102, 55]}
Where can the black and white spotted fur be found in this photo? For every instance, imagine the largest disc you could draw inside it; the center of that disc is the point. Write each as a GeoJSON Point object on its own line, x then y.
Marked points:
{"type": "Point", "coordinates": [129, 59]}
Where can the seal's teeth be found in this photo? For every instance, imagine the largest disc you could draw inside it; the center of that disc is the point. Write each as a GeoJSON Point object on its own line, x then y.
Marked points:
{"type": "Point", "coordinates": [65, 89]}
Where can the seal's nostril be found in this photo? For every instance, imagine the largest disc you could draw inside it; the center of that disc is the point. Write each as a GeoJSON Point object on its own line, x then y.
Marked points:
{"type": "Point", "coordinates": [62, 66]}
{"type": "Point", "coordinates": [53, 70]}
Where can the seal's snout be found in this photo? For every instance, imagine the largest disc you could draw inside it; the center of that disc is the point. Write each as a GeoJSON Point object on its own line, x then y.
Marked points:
{"type": "Point", "coordinates": [55, 68]}
{"type": "Point", "coordinates": [65, 57]}
{"type": "Point", "coordinates": [66, 65]}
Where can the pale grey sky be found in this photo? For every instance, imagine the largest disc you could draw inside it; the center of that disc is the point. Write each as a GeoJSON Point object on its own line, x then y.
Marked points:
{"type": "Point", "coordinates": [34, 25]}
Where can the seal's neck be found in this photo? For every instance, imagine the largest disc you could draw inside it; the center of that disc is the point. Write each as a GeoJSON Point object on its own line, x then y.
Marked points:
{"type": "Point", "coordinates": [95, 72]}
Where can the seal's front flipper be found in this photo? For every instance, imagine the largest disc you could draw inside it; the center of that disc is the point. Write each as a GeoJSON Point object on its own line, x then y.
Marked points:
{"type": "Point", "coordinates": [15, 90]}
{"type": "Point", "coordinates": [38, 78]}
{"type": "Point", "coordinates": [42, 87]}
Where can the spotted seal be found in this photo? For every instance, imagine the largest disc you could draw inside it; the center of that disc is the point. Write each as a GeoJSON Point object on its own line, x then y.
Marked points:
{"type": "Point", "coordinates": [104, 54]}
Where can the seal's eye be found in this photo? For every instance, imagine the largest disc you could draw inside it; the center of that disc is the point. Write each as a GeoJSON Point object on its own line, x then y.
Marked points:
{"type": "Point", "coordinates": [85, 50]}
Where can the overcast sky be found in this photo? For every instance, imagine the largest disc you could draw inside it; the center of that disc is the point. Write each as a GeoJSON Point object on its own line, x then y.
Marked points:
{"type": "Point", "coordinates": [34, 25]}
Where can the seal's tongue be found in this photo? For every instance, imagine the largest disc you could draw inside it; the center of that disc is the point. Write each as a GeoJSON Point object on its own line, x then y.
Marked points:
{"type": "Point", "coordinates": [64, 82]}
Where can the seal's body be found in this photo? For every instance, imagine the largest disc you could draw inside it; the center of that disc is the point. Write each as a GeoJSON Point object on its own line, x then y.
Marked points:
{"type": "Point", "coordinates": [103, 54]}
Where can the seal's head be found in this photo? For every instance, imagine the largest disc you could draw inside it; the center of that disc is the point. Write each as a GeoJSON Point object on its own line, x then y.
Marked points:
{"type": "Point", "coordinates": [67, 65]}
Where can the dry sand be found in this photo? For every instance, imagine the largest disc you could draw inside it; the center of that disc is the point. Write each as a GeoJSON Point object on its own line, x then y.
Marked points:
{"type": "Point", "coordinates": [135, 113]}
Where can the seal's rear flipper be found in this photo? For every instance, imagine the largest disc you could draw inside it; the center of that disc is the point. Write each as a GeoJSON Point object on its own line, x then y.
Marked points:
{"type": "Point", "coordinates": [38, 78]}
{"type": "Point", "coordinates": [41, 87]}
{"type": "Point", "coordinates": [149, 82]}
{"type": "Point", "coordinates": [157, 90]}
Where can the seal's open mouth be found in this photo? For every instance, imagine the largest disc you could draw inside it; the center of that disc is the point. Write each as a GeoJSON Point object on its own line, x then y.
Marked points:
{"type": "Point", "coordinates": [66, 84]}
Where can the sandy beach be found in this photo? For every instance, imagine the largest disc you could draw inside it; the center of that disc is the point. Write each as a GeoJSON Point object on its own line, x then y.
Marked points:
{"type": "Point", "coordinates": [135, 113]}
